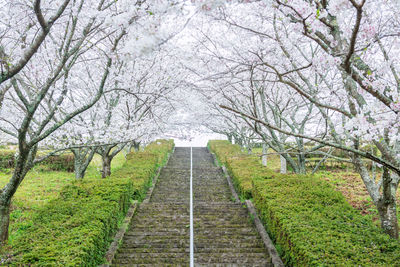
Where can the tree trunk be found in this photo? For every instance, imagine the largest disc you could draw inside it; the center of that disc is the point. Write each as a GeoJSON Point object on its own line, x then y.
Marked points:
{"type": "Point", "coordinates": [23, 164]}
{"type": "Point", "coordinates": [229, 138]}
{"type": "Point", "coordinates": [264, 155]}
{"type": "Point", "coordinates": [283, 165]}
{"type": "Point", "coordinates": [79, 174]}
{"type": "Point", "coordinates": [136, 146]}
{"type": "Point", "coordinates": [302, 163]}
{"type": "Point", "coordinates": [388, 216]}
{"type": "Point", "coordinates": [78, 166]}
{"type": "Point", "coordinates": [82, 159]}
{"type": "Point", "coordinates": [106, 166]}
{"type": "Point", "coordinates": [4, 222]}
{"type": "Point", "coordinates": [387, 206]}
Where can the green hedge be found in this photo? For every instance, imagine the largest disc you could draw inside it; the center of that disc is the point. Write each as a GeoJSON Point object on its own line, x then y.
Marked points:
{"type": "Point", "coordinates": [310, 222]}
{"type": "Point", "coordinates": [7, 158]}
{"type": "Point", "coordinates": [242, 168]}
{"type": "Point", "coordinates": [63, 162]}
{"type": "Point", "coordinates": [160, 147]}
{"type": "Point", "coordinates": [224, 149]}
{"type": "Point", "coordinates": [76, 228]}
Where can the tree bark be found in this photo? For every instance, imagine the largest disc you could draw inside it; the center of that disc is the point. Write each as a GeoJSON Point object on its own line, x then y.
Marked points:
{"type": "Point", "coordinates": [23, 164]}
{"type": "Point", "coordinates": [136, 146]}
{"type": "Point", "coordinates": [4, 221]}
{"type": "Point", "coordinates": [82, 159]}
{"type": "Point", "coordinates": [107, 154]}
{"type": "Point", "coordinates": [302, 163]}
{"type": "Point", "coordinates": [79, 174]}
{"type": "Point", "coordinates": [106, 166]}
{"type": "Point", "coordinates": [388, 216]}
{"type": "Point", "coordinates": [283, 165]}
{"type": "Point", "coordinates": [387, 206]}
{"type": "Point", "coordinates": [264, 154]}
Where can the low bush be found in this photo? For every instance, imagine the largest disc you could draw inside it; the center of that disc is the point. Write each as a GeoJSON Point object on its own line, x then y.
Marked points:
{"type": "Point", "coordinates": [63, 162]}
{"type": "Point", "coordinates": [240, 166]}
{"type": "Point", "coordinates": [76, 228]}
{"type": "Point", "coordinates": [311, 223]}
{"type": "Point", "coordinates": [224, 149]}
{"type": "Point", "coordinates": [243, 169]}
{"type": "Point", "coordinates": [7, 158]}
{"type": "Point", "coordinates": [315, 226]}
{"type": "Point", "coordinates": [161, 148]}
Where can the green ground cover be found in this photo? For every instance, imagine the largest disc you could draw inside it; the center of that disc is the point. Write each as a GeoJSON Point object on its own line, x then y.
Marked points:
{"type": "Point", "coordinates": [310, 220]}
{"type": "Point", "coordinates": [56, 220]}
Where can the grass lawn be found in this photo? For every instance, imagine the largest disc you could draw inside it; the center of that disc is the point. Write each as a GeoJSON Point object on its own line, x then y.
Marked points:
{"type": "Point", "coordinates": [355, 192]}
{"type": "Point", "coordinates": [40, 186]}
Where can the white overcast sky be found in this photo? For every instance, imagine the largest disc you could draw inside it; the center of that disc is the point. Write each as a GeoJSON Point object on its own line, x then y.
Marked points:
{"type": "Point", "coordinates": [199, 140]}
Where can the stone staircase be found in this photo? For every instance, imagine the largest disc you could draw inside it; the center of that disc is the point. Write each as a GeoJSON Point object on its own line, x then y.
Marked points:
{"type": "Point", "coordinates": [224, 234]}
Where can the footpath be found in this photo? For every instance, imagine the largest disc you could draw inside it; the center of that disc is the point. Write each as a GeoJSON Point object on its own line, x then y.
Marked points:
{"type": "Point", "coordinates": [224, 233]}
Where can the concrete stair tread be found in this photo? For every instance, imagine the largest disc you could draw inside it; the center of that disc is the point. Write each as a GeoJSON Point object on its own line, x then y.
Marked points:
{"type": "Point", "coordinates": [224, 234]}
{"type": "Point", "coordinates": [230, 257]}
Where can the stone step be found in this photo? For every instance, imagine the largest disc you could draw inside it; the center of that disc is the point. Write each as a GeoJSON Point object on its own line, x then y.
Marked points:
{"type": "Point", "coordinates": [162, 206]}
{"type": "Point", "coordinates": [162, 213]}
{"type": "Point", "coordinates": [262, 264]}
{"type": "Point", "coordinates": [154, 250]}
{"type": "Point", "coordinates": [159, 245]}
{"type": "Point", "coordinates": [227, 231]}
{"type": "Point", "coordinates": [198, 250]}
{"type": "Point", "coordinates": [198, 265]}
{"type": "Point", "coordinates": [224, 234]}
{"type": "Point", "coordinates": [154, 261]}
{"type": "Point", "coordinates": [200, 258]}
{"type": "Point", "coordinates": [234, 244]}
{"type": "Point", "coordinates": [149, 217]}
{"type": "Point", "coordinates": [230, 257]}
{"type": "Point", "coordinates": [149, 255]}
{"type": "Point", "coordinates": [159, 224]}
{"type": "Point", "coordinates": [226, 240]}
{"type": "Point", "coordinates": [143, 265]}
{"type": "Point", "coordinates": [169, 233]}
{"type": "Point", "coordinates": [171, 241]}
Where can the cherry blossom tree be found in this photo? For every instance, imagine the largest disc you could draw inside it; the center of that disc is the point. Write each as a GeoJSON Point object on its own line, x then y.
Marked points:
{"type": "Point", "coordinates": [338, 56]}
{"type": "Point", "coordinates": [22, 32]}
{"type": "Point", "coordinates": [58, 64]}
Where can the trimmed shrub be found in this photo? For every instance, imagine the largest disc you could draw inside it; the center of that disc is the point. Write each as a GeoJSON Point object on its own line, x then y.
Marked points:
{"type": "Point", "coordinates": [310, 222]}
{"type": "Point", "coordinates": [161, 148]}
{"type": "Point", "coordinates": [76, 228]}
{"type": "Point", "coordinates": [243, 169]}
{"type": "Point", "coordinates": [139, 167]}
{"type": "Point", "coordinates": [224, 149]}
{"type": "Point", "coordinates": [7, 158]}
{"type": "Point", "coordinates": [240, 166]}
{"type": "Point", "coordinates": [315, 226]}
{"type": "Point", "coordinates": [63, 162]}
